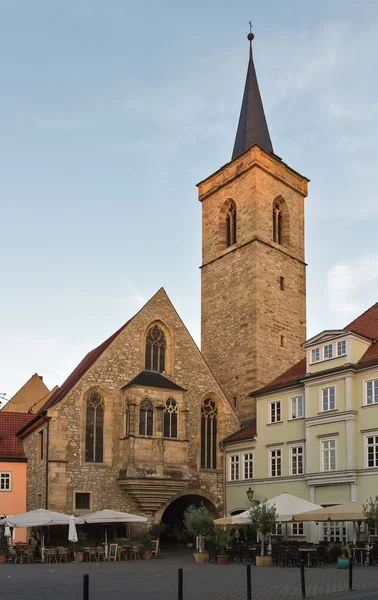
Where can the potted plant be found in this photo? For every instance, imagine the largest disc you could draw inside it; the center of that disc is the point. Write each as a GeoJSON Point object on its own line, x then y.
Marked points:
{"type": "Point", "coordinates": [82, 542]}
{"type": "Point", "coordinates": [340, 553]}
{"type": "Point", "coordinates": [221, 540]}
{"type": "Point", "coordinates": [147, 546]}
{"type": "Point", "coordinates": [198, 522]}
{"type": "Point", "coordinates": [3, 546]}
{"type": "Point", "coordinates": [263, 519]}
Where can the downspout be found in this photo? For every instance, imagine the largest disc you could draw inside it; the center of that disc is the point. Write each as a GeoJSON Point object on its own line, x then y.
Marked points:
{"type": "Point", "coordinates": [224, 480]}
{"type": "Point", "coordinates": [47, 420]}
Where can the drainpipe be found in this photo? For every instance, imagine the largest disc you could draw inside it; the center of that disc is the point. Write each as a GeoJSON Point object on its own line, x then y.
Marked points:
{"type": "Point", "coordinates": [224, 480]}
{"type": "Point", "coordinates": [47, 420]}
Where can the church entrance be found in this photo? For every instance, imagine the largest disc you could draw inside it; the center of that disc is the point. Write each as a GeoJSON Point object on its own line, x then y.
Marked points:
{"type": "Point", "coordinates": [173, 518]}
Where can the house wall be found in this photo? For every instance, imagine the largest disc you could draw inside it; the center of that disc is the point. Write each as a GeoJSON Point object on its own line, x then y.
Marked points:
{"type": "Point", "coordinates": [13, 502]}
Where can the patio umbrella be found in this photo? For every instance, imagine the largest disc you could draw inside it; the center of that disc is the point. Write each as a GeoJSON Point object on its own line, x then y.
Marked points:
{"type": "Point", "coordinates": [351, 511]}
{"type": "Point", "coordinates": [72, 534]}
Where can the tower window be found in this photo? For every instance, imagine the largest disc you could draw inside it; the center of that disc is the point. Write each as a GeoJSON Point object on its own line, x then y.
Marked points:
{"type": "Point", "coordinates": [231, 224]}
{"type": "Point", "coordinates": [209, 434]}
{"type": "Point", "coordinates": [146, 418]}
{"type": "Point", "coordinates": [282, 341]}
{"type": "Point", "coordinates": [277, 223]}
{"type": "Point", "coordinates": [155, 349]}
{"type": "Point", "coordinates": [282, 283]}
{"type": "Point", "coordinates": [94, 434]}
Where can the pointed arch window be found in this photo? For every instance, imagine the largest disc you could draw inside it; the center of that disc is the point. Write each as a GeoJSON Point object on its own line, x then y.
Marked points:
{"type": "Point", "coordinates": [146, 418]}
{"type": "Point", "coordinates": [170, 418]}
{"type": "Point", "coordinates": [277, 223]}
{"type": "Point", "coordinates": [155, 349]}
{"type": "Point", "coordinates": [231, 224]}
{"type": "Point", "coordinates": [209, 434]}
{"type": "Point", "coordinates": [94, 433]}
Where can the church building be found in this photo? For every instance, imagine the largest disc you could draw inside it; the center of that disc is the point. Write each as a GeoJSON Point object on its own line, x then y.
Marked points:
{"type": "Point", "coordinates": [137, 425]}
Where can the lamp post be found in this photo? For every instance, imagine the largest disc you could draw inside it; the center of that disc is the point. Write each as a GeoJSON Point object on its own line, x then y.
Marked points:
{"type": "Point", "coordinates": [250, 493]}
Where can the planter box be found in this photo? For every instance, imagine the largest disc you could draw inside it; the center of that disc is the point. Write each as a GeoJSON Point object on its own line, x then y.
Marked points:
{"type": "Point", "coordinates": [343, 563]}
{"type": "Point", "coordinates": [3, 559]}
{"type": "Point", "coordinates": [263, 561]}
{"type": "Point", "coordinates": [201, 557]}
{"type": "Point", "coordinates": [222, 559]}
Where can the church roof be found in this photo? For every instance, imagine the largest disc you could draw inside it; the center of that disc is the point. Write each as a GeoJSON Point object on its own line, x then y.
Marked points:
{"type": "Point", "coordinates": [252, 128]}
{"type": "Point", "coordinates": [153, 379]}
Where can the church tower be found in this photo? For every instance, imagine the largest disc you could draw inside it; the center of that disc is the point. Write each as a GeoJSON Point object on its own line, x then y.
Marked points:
{"type": "Point", "coordinates": [253, 274]}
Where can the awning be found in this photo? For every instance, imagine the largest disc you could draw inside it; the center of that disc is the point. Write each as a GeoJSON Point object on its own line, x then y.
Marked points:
{"type": "Point", "coordinates": [351, 511]}
{"type": "Point", "coordinates": [111, 516]}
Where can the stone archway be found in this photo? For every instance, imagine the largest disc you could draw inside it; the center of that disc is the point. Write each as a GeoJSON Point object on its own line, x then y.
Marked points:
{"type": "Point", "coordinates": [173, 515]}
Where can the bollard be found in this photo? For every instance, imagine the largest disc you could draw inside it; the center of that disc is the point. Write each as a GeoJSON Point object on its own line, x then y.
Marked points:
{"type": "Point", "coordinates": [180, 584]}
{"type": "Point", "coordinates": [86, 587]}
{"type": "Point", "coordinates": [350, 574]}
{"type": "Point", "coordinates": [249, 586]}
{"type": "Point", "coordinates": [303, 582]}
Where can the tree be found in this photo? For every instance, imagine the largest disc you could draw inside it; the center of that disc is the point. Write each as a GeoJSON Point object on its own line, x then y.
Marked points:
{"type": "Point", "coordinates": [263, 519]}
{"type": "Point", "coordinates": [370, 509]}
{"type": "Point", "coordinates": [198, 522]}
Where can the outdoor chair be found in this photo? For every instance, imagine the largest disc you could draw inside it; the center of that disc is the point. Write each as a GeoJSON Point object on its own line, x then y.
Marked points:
{"type": "Point", "coordinates": [135, 553]}
{"type": "Point", "coordinates": [14, 556]}
{"type": "Point", "coordinates": [101, 553]}
{"type": "Point", "coordinates": [281, 556]}
{"type": "Point", "coordinates": [320, 557]}
{"type": "Point", "coordinates": [64, 555]}
{"type": "Point", "coordinates": [244, 554]}
{"type": "Point", "coordinates": [51, 555]}
{"type": "Point", "coordinates": [92, 554]}
{"type": "Point", "coordinates": [28, 556]}
{"type": "Point", "coordinates": [293, 556]}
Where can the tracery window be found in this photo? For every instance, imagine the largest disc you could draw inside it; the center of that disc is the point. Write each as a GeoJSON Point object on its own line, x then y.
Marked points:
{"type": "Point", "coordinates": [277, 223]}
{"type": "Point", "coordinates": [231, 224]}
{"type": "Point", "coordinates": [155, 349]}
{"type": "Point", "coordinates": [170, 418]}
{"type": "Point", "coordinates": [146, 418]}
{"type": "Point", "coordinates": [209, 434]}
{"type": "Point", "coordinates": [94, 436]}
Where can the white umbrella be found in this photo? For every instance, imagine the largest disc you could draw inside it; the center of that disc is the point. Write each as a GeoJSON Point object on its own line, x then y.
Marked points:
{"type": "Point", "coordinates": [72, 534]}
{"type": "Point", "coordinates": [7, 532]}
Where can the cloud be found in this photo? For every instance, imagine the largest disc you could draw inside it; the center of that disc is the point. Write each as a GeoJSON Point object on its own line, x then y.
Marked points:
{"type": "Point", "coordinates": [352, 287]}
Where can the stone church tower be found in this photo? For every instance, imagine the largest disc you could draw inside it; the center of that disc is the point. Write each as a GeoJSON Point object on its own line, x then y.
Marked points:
{"type": "Point", "coordinates": [253, 269]}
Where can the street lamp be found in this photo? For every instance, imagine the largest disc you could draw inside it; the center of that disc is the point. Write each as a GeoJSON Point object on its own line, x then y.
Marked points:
{"type": "Point", "coordinates": [250, 493]}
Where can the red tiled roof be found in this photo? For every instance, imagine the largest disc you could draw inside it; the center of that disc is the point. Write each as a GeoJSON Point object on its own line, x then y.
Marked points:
{"type": "Point", "coordinates": [367, 323]}
{"type": "Point", "coordinates": [370, 357]}
{"type": "Point", "coordinates": [11, 447]}
{"type": "Point", "coordinates": [245, 433]}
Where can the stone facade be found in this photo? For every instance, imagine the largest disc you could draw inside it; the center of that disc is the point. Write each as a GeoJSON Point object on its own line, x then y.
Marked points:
{"type": "Point", "coordinates": [251, 327]}
{"type": "Point", "coordinates": [168, 467]}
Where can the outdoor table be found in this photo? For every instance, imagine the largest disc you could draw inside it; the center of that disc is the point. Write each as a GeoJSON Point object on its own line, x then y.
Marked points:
{"type": "Point", "coordinates": [308, 552]}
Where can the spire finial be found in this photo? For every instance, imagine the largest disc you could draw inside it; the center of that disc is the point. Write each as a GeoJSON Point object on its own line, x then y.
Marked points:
{"type": "Point", "coordinates": [250, 36]}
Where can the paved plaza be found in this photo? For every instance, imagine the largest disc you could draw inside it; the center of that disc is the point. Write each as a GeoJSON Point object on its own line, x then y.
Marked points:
{"type": "Point", "coordinates": [156, 579]}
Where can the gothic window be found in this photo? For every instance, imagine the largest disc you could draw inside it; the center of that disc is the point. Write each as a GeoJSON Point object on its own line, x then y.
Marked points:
{"type": "Point", "coordinates": [170, 418]}
{"type": "Point", "coordinates": [209, 434]}
{"type": "Point", "coordinates": [155, 349]}
{"type": "Point", "coordinates": [277, 223]}
{"type": "Point", "coordinates": [94, 438]}
{"type": "Point", "coordinates": [146, 418]}
{"type": "Point", "coordinates": [231, 224]}
{"type": "Point", "coordinates": [127, 420]}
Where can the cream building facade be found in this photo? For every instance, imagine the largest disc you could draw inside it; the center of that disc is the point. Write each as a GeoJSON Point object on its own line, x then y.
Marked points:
{"type": "Point", "coordinates": [316, 430]}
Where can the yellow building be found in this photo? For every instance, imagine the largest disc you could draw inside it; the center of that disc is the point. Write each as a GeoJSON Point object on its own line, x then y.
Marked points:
{"type": "Point", "coordinates": [316, 430]}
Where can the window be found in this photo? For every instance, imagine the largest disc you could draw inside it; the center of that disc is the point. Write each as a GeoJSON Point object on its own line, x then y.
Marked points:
{"type": "Point", "coordinates": [372, 391]}
{"type": "Point", "coordinates": [248, 465]}
{"type": "Point", "coordinates": [127, 420]}
{"type": "Point", "coordinates": [39, 501]}
{"type": "Point", "coordinates": [41, 447]}
{"type": "Point", "coordinates": [122, 531]}
{"type": "Point", "coordinates": [341, 348]}
{"type": "Point", "coordinates": [5, 482]}
{"type": "Point", "coordinates": [146, 418]}
{"type": "Point", "coordinates": [328, 351]}
{"type": "Point", "coordinates": [329, 455]}
{"type": "Point", "coordinates": [82, 500]}
{"type": "Point", "coordinates": [315, 355]}
{"type": "Point", "coordinates": [277, 223]}
{"type": "Point", "coordinates": [155, 350]}
{"type": "Point", "coordinates": [282, 341]}
{"type": "Point", "coordinates": [94, 437]}
{"type": "Point", "coordinates": [297, 529]}
{"type": "Point", "coordinates": [296, 460]}
{"type": "Point", "coordinates": [170, 418]}
{"type": "Point", "coordinates": [282, 283]}
{"type": "Point", "coordinates": [328, 398]}
{"type": "Point", "coordinates": [278, 529]}
{"type": "Point", "coordinates": [275, 412]}
{"type": "Point", "coordinates": [297, 407]}
{"type": "Point", "coordinates": [275, 462]}
{"type": "Point", "coordinates": [234, 467]}
{"type": "Point", "coordinates": [371, 444]}
{"type": "Point", "coordinates": [334, 531]}
{"type": "Point", "coordinates": [208, 434]}
{"type": "Point", "coordinates": [231, 224]}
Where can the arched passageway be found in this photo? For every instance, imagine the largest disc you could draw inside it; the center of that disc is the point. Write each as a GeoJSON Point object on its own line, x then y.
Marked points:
{"type": "Point", "coordinates": [173, 517]}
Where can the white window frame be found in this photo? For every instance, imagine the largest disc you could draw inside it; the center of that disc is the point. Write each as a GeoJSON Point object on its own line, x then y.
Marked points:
{"type": "Point", "coordinates": [328, 348]}
{"type": "Point", "coordinates": [296, 398]}
{"type": "Point", "coordinates": [299, 529]}
{"type": "Point", "coordinates": [374, 383]}
{"type": "Point", "coordinates": [322, 409]}
{"type": "Point", "coordinates": [366, 436]}
{"type": "Point", "coordinates": [291, 448]}
{"type": "Point", "coordinates": [316, 360]}
{"type": "Point", "coordinates": [247, 462]}
{"type": "Point", "coordinates": [6, 476]}
{"type": "Point", "coordinates": [340, 345]}
{"type": "Point", "coordinates": [275, 403]}
{"type": "Point", "coordinates": [234, 463]}
{"type": "Point", "coordinates": [278, 529]}
{"type": "Point", "coordinates": [322, 441]}
{"type": "Point", "coordinates": [271, 450]}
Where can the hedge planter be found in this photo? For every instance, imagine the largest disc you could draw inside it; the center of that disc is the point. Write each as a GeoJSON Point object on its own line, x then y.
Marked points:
{"type": "Point", "coordinates": [222, 559]}
{"type": "Point", "coordinates": [343, 563]}
{"type": "Point", "coordinates": [3, 559]}
{"type": "Point", "coordinates": [201, 557]}
{"type": "Point", "coordinates": [263, 561]}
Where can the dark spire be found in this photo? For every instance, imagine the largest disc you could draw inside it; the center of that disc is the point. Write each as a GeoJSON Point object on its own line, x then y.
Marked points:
{"type": "Point", "coordinates": [252, 128]}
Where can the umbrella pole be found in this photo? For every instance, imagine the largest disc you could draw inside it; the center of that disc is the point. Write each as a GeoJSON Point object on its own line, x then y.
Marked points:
{"type": "Point", "coordinates": [42, 544]}
{"type": "Point", "coordinates": [106, 543]}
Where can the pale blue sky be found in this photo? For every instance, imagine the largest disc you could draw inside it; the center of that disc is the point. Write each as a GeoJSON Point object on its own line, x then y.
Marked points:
{"type": "Point", "coordinates": [110, 113]}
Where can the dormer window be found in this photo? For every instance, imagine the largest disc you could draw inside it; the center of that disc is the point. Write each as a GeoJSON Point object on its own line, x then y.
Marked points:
{"type": "Point", "coordinates": [328, 351]}
{"type": "Point", "coordinates": [315, 355]}
{"type": "Point", "coordinates": [341, 348]}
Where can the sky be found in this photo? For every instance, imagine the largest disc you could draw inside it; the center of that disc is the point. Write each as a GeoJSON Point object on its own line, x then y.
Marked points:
{"type": "Point", "coordinates": [111, 112]}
